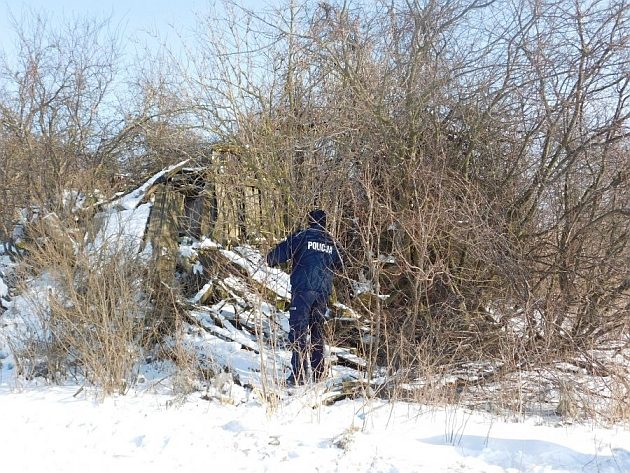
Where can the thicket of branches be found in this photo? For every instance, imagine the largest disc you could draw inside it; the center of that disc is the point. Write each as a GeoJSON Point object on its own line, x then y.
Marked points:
{"type": "Point", "coordinates": [472, 154]}
{"type": "Point", "coordinates": [482, 144]}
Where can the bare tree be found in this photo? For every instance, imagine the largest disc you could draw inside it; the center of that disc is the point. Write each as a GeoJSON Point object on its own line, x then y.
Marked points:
{"type": "Point", "coordinates": [56, 107]}
{"type": "Point", "coordinates": [477, 144]}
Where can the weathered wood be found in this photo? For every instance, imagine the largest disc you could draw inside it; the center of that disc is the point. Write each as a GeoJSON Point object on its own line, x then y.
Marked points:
{"type": "Point", "coordinates": [164, 178]}
{"type": "Point", "coordinates": [237, 199]}
{"type": "Point", "coordinates": [346, 389]}
{"type": "Point", "coordinates": [163, 234]}
{"type": "Point", "coordinates": [219, 326]}
{"type": "Point", "coordinates": [163, 230]}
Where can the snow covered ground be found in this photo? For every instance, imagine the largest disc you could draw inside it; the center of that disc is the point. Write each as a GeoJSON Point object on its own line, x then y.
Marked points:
{"type": "Point", "coordinates": [54, 429]}
{"type": "Point", "coordinates": [228, 428]}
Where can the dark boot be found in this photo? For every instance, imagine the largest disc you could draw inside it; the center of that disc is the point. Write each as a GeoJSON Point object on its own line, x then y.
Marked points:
{"type": "Point", "coordinates": [292, 381]}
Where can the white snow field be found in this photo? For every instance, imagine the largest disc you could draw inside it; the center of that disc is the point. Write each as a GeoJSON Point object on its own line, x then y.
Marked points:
{"type": "Point", "coordinates": [54, 429]}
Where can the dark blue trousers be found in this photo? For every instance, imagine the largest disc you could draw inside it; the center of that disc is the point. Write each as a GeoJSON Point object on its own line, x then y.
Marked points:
{"type": "Point", "coordinates": [306, 318]}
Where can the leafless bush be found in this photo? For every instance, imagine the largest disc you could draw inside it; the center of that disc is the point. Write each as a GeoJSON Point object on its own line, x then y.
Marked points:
{"type": "Point", "coordinates": [92, 318]}
{"type": "Point", "coordinates": [54, 93]}
{"type": "Point", "coordinates": [472, 157]}
{"type": "Point", "coordinates": [472, 170]}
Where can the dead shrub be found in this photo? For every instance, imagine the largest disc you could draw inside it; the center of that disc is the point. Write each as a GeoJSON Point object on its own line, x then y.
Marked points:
{"type": "Point", "coordinates": [91, 321]}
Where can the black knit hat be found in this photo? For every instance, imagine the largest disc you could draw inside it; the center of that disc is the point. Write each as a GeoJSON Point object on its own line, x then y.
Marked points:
{"type": "Point", "coordinates": [317, 217]}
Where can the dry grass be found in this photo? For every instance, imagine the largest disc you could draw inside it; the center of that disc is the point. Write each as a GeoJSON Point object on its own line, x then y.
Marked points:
{"type": "Point", "coordinates": [92, 318]}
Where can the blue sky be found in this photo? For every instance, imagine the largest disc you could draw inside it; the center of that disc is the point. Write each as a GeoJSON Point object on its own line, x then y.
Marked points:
{"type": "Point", "coordinates": [136, 20]}
{"type": "Point", "coordinates": [133, 18]}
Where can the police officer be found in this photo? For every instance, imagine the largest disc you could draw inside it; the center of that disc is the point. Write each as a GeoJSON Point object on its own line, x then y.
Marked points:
{"type": "Point", "coordinates": [314, 257]}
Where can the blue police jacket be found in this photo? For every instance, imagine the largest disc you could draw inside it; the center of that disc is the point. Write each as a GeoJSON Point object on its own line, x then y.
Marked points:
{"type": "Point", "coordinates": [314, 256]}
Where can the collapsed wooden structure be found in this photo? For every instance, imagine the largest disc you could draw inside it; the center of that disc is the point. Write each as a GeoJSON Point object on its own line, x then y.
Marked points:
{"type": "Point", "coordinates": [198, 219]}
{"type": "Point", "coordinates": [213, 200]}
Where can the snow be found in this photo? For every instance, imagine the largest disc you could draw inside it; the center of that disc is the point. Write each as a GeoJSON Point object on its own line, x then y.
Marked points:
{"type": "Point", "coordinates": [54, 429]}
{"type": "Point", "coordinates": [253, 262]}
{"type": "Point", "coordinates": [4, 290]}
{"type": "Point", "coordinates": [7, 267]}
{"type": "Point", "coordinates": [130, 201]}
{"type": "Point", "coordinates": [202, 292]}
{"type": "Point", "coordinates": [122, 230]}
{"type": "Point", "coordinates": [23, 319]}
{"type": "Point", "coordinates": [197, 268]}
{"type": "Point", "coordinates": [73, 200]}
